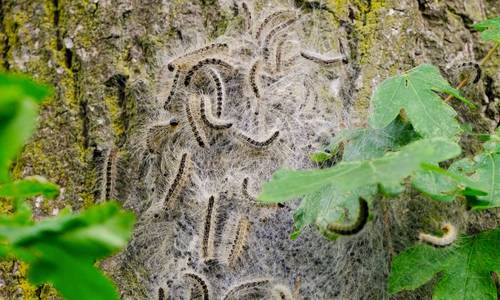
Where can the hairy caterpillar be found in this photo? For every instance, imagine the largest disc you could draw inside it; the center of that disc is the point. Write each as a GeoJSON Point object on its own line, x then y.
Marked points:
{"type": "Point", "coordinates": [247, 15]}
{"type": "Point", "coordinates": [161, 294]}
{"type": "Point", "coordinates": [246, 194]}
{"type": "Point", "coordinates": [320, 59]}
{"type": "Point", "coordinates": [110, 173]}
{"type": "Point", "coordinates": [357, 226]}
{"type": "Point", "coordinates": [256, 143]}
{"type": "Point", "coordinates": [216, 47]}
{"type": "Point", "coordinates": [252, 77]}
{"type": "Point", "coordinates": [239, 241]}
{"type": "Point", "coordinates": [173, 89]}
{"type": "Point", "coordinates": [254, 284]}
{"type": "Point", "coordinates": [201, 64]}
{"type": "Point", "coordinates": [268, 20]}
{"type": "Point", "coordinates": [281, 292]}
{"type": "Point", "coordinates": [200, 289]}
{"type": "Point", "coordinates": [198, 133]}
{"type": "Point", "coordinates": [272, 33]}
{"type": "Point", "coordinates": [207, 243]}
{"type": "Point", "coordinates": [220, 89]}
{"type": "Point", "coordinates": [449, 236]}
{"type": "Point", "coordinates": [279, 51]}
{"type": "Point", "coordinates": [179, 181]}
{"type": "Point", "coordinates": [471, 65]}
{"type": "Point", "coordinates": [157, 134]}
{"type": "Point", "coordinates": [208, 120]}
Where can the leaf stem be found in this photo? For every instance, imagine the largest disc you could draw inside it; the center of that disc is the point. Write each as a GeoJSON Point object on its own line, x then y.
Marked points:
{"type": "Point", "coordinates": [466, 79]}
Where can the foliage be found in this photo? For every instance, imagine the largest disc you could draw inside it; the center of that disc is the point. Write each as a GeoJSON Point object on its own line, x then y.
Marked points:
{"type": "Point", "coordinates": [466, 268]}
{"type": "Point", "coordinates": [490, 29]}
{"type": "Point", "coordinates": [61, 250]}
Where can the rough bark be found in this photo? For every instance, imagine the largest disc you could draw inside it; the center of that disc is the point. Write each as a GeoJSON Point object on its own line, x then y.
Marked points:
{"type": "Point", "coordinates": [107, 61]}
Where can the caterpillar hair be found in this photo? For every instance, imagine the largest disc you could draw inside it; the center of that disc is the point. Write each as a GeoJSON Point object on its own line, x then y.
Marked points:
{"type": "Point", "coordinates": [269, 20]}
{"type": "Point", "coordinates": [475, 66]}
{"type": "Point", "coordinates": [202, 63]}
{"type": "Point", "coordinates": [216, 47]}
{"type": "Point", "coordinates": [357, 226]}
{"type": "Point", "coordinates": [252, 77]}
{"type": "Point", "coordinates": [449, 236]}
{"type": "Point", "coordinates": [281, 292]}
{"type": "Point", "coordinates": [173, 89]}
{"type": "Point", "coordinates": [157, 134]}
{"type": "Point", "coordinates": [207, 250]}
{"type": "Point", "coordinates": [279, 52]}
{"type": "Point", "coordinates": [208, 119]}
{"type": "Point", "coordinates": [179, 181]}
{"type": "Point", "coordinates": [319, 58]}
{"type": "Point", "coordinates": [249, 285]}
{"type": "Point", "coordinates": [246, 194]}
{"type": "Point", "coordinates": [239, 241]}
{"type": "Point", "coordinates": [247, 15]}
{"type": "Point", "coordinates": [198, 133]}
{"type": "Point", "coordinates": [161, 294]}
{"type": "Point", "coordinates": [269, 37]}
{"type": "Point", "coordinates": [110, 173]}
{"type": "Point", "coordinates": [220, 89]}
{"type": "Point", "coordinates": [256, 143]}
{"type": "Point", "coordinates": [200, 289]}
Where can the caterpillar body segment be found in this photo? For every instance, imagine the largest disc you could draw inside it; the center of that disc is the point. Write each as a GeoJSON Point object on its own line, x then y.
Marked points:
{"type": "Point", "coordinates": [270, 36]}
{"type": "Point", "coordinates": [209, 49]}
{"type": "Point", "coordinates": [247, 286]}
{"type": "Point", "coordinates": [110, 174]}
{"type": "Point", "coordinates": [208, 120]}
{"type": "Point", "coordinates": [246, 194]}
{"type": "Point", "coordinates": [321, 59]}
{"type": "Point", "coordinates": [449, 236]}
{"type": "Point", "coordinates": [200, 288]}
{"type": "Point", "coordinates": [357, 226]}
{"type": "Point", "coordinates": [173, 90]}
{"type": "Point", "coordinates": [206, 62]}
{"type": "Point", "coordinates": [207, 248]}
{"type": "Point", "coordinates": [253, 78]}
{"type": "Point", "coordinates": [220, 90]}
{"type": "Point", "coordinates": [179, 182]}
{"type": "Point", "coordinates": [198, 132]}
{"type": "Point", "coordinates": [270, 19]}
{"type": "Point", "coordinates": [239, 241]}
{"type": "Point", "coordinates": [247, 14]}
{"type": "Point", "coordinates": [258, 143]}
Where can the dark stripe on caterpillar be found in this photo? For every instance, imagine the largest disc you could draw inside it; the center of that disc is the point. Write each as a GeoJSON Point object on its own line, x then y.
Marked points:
{"type": "Point", "coordinates": [267, 41]}
{"type": "Point", "coordinates": [246, 194]}
{"type": "Point", "coordinates": [320, 59]}
{"type": "Point", "coordinates": [111, 173]}
{"type": "Point", "coordinates": [201, 64]}
{"type": "Point", "coordinates": [357, 226]}
{"type": "Point", "coordinates": [199, 135]}
{"type": "Point", "coordinates": [179, 181]}
{"type": "Point", "coordinates": [208, 120]}
{"type": "Point", "coordinates": [254, 284]}
{"type": "Point", "coordinates": [252, 77]}
{"type": "Point", "coordinates": [201, 289]}
{"type": "Point", "coordinates": [220, 89]}
{"type": "Point", "coordinates": [247, 15]}
{"type": "Point", "coordinates": [259, 144]}
{"type": "Point", "coordinates": [173, 89]}
{"type": "Point", "coordinates": [161, 294]}
{"type": "Point", "coordinates": [207, 248]}
{"type": "Point", "coordinates": [204, 50]}
{"type": "Point", "coordinates": [239, 241]}
{"type": "Point", "coordinates": [269, 19]}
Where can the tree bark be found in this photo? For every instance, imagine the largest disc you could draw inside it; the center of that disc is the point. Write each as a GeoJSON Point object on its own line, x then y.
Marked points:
{"type": "Point", "coordinates": [107, 61]}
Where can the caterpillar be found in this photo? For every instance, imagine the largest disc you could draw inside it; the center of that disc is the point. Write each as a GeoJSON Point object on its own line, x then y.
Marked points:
{"type": "Point", "coordinates": [173, 89]}
{"type": "Point", "coordinates": [239, 241]}
{"type": "Point", "coordinates": [247, 15]}
{"type": "Point", "coordinates": [207, 243]}
{"type": "Point", "coordinates": [161, 294]}
{"type": "Point", "coordinates": [208, 120]}
{"type": "Point", "coordinates": [219, 87]}
{"type": "Point", "coordinates": [201, 289]}
{"type": "Point", "coordinates": [320, 59]}
{"type": "Point", "coordinates": [475, 66]}
{"type": "Point", "coordinates": [179, 181]}
{"type": "Point", "coordinates": [110, 173]}
{"type": "Point", "coordinates": [256, 143]}
{"type": "Point", "coordinates": [204, 50]}
{"type": "Point", "coordinates": [279, 52]}
{"type": "Point", "coordinates": [201, 64]}
{"type": "Point", "coordinates": [268, 20]}
{"type": "Point", "coordinates": [449, 236]}
{"type": "Point", "coordinates": [252, 77]}
{"type": "Point", "coordinates": [157, 134]}
{"type": "Point", "coordinates": [272, 33]}
{"type": "Point", "coordinates": [199, 135]}
{"type": "Point", "coordinates": [246, 194]}
{"type": "Point", "coordinates": [357, 226]}
{"type": "Point", "coordinates": [281, 292]}
{"type": "Point", "coordinates": [253, 284]}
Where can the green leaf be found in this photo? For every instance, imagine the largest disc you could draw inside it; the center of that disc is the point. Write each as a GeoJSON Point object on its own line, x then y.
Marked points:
{"type": "Point", "coordinates": [416, 92]}
{"type": "Point", "coordinates": [349, 176]}
{"type": "Point", "coordinates": [490, 29]}
{"type": "Point", "coordinates": [435, 185]}
{"type": "Point", "coordinates": [19, 98]}
{"type": "Point", "coordinates": [320, 156]}
{"type": "Point", "coordinates": [29, 187]}
{"type": "Point", "coordinates": [466, 268]}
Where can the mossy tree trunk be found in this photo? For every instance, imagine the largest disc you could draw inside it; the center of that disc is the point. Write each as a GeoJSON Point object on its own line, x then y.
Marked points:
{"type": "Point", "coordinates": [105, 58]}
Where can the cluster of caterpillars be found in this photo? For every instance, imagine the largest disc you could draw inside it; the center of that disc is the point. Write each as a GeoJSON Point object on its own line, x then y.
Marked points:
{"type": "Point", "coordinates": [202, 113]}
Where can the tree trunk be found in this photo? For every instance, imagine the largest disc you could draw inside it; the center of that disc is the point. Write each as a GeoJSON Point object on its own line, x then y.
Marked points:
{"type": "Point", "coordinates": [108, 63]}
